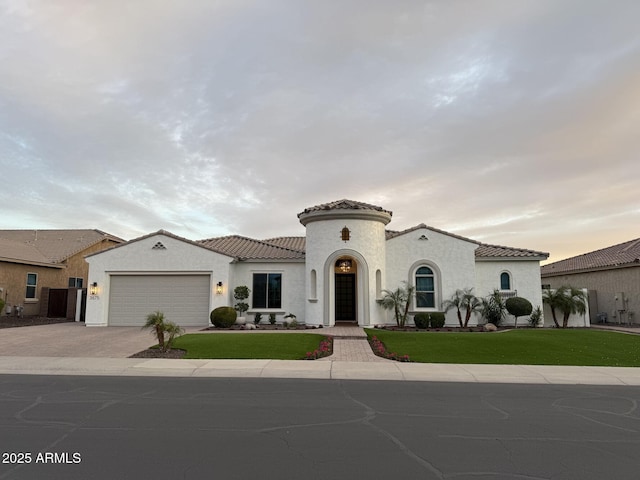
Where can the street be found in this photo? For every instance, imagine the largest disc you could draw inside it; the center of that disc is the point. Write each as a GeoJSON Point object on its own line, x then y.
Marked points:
{"type": "Point", "coordinates": [80, 427]}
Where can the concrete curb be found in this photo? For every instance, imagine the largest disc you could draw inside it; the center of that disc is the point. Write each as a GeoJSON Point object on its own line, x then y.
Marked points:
{"type": "Point", "coordinates": [327, 370]}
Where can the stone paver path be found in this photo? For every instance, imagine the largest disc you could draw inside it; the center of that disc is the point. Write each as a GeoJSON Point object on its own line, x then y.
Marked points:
{"type": "Point", "coordinates": [350, 345]}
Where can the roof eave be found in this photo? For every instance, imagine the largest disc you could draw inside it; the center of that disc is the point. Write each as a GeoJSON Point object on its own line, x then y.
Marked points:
{"type": "Point", "coordinates": [30, 263]}
{"type": "Point", "coordinates": [589, 270]}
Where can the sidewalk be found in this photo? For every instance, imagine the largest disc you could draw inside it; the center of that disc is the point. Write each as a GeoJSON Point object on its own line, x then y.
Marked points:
{"type": "Point", "coordinates": [327, 370]}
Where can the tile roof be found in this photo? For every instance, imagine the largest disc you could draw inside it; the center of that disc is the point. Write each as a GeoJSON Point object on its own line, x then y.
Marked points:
{"type": "Point", "coordinates": [498, 251]}
{"type": "Point", "coordinates": [394, 233]}
{"type": "Point", "coordinates": [52, 246]}
{"type": "Point", "coordinates": [622, 255]}
{"type": "Point", "coordinates": [484, 250]}
{"type": "Point", "coordinates": [244, 248]}
{"type": "Point", "coordinates": [18, 252]}
{"type": "Point", "coordinates": [153, 234]}
{"type": "Point", "coordinates": [344, 204]}
{"type": "Point", "coordinates": [292, 243]}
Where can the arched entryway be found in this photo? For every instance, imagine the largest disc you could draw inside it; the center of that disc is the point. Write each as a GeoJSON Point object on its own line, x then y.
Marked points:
{"type": "Point", "coordinates": [347, 275]}
{"type": "Point", "coordinates": [345, 289]}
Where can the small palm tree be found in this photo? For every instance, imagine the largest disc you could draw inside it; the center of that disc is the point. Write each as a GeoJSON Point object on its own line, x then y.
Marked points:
{"type": "Point", "coordinates": [155, 322]}
{"type": "Point", "coordinates": [173, 331]}
{"type": "Point", "coordinates": [463, 300]}
{"type": "Point", "coordinates": [398, 300]}
{"type": "Point", "coordinates": [569, 300]}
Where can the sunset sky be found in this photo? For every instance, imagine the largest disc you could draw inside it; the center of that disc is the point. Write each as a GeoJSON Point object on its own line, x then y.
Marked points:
{"type": "Point", "coordinates": [510, 122]}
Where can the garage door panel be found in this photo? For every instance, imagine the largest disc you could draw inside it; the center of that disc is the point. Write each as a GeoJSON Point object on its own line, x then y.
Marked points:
{"type": "Point", "coordinates": [184, 299]}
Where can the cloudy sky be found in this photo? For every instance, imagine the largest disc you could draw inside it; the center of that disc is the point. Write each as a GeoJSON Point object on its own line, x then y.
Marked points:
{"type": "Point", "coordinates": [511, 122]}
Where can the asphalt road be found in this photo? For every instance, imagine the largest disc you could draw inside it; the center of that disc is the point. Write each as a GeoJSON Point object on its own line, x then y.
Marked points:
{"type": "Point", "coordinates": [196, 428]}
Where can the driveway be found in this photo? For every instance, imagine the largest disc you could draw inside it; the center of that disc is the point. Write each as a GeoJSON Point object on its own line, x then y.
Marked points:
{"type": "Point", "coordinates": [74, 340]}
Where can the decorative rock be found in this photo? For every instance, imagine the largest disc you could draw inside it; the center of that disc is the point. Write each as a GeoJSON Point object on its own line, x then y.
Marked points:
{"type": "Point", "coordinates": [249, 326]}
{"type": "Point", "coordinates": [489, 327]}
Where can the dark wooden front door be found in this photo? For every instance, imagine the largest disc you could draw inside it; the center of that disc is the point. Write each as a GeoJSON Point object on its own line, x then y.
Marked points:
{"type": "Point", "coordinates": [57, 302]}
{"type": "Point", "coordinates": [345, 297]}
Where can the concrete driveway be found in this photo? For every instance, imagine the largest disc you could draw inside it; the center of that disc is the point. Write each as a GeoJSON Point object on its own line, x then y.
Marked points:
{"type": "Point", "coordinates": [74, 340]}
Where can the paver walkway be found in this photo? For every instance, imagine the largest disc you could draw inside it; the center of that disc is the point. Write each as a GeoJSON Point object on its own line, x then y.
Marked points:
{"type": "Point", "coordinates": [350, 345]}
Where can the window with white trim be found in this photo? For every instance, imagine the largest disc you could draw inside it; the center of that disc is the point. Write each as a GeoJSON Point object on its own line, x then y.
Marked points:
{"type": "Point", "coordinates": [267, 290]}
{"type": "Point", "coordinates": [505, 281]}
{"type": "Point", "coordinates": [425, 288]}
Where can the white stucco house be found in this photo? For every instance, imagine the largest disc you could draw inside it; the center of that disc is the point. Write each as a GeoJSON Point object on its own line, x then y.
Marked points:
{"type": "Point", "coordinates": [336, 273]}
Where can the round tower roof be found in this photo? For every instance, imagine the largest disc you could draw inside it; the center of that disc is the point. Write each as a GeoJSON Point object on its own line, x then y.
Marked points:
{"type": "Point", "coordinates": [344, 209]}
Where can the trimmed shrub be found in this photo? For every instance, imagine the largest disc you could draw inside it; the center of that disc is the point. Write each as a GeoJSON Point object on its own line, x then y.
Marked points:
{"type": "Point", "coordinates": [421, 320]}
{"type": "Point", "coordinates": [518, 307]}
{"type": "Point", "coordinates": [223, 317]}
{"type": "Point", "coordinates": [436, 319]}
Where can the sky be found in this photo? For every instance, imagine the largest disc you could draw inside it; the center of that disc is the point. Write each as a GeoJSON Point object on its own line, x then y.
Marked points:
{"type": "Point", "coordinates": [509, 122]}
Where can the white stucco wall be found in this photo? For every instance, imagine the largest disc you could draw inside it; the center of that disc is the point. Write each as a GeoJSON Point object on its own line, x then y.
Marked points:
{"type": "Point", "coordinates": [452, 259]}
{"type": "Point", "coordinates": [293, 287]}
{"type": "Point", "coordinates": [139, 257]}
{"type": "Point", "coordinates": [323, 246]}
{"type": "Point", "coordinates": [525, 278]}
{"type": "Point", "coordinates": [575, 320]}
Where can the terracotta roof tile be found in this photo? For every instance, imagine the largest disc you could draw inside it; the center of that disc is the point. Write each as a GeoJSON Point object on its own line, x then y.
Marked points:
{"type": "Point", "coordinates": [244, 248]}
{"type": "Point", "coordinates": [344, 204]}
{"type": "Point", "coordinates": [498, 251]}
{"type": "Point", "coordinates": [292, 243]}
{"type": "Point", "coordinates": [621, 255]}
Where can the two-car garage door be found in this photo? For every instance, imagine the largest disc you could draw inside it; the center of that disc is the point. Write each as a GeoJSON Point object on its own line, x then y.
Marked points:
{"type": "Point", "coordinates": [184, 299]}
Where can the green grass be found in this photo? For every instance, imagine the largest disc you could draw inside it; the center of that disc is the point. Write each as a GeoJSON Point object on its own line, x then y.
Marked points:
{"type": "Point", "coordinates": [517, 347]}
{"type": "Point", "coordinates": [277, 346]}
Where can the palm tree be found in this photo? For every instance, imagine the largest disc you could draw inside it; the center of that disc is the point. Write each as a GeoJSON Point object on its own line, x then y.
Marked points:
{"type": "Point", "coordinates": [569, 300]}
{"type": "Point", "coordinates": [173, 331]}
{"type": "Point", "coordinates": [398, 300]}
{"type": "Point", "coordinates": [463, 300]}
{"type": "Point", "coordinates": [155, 321]}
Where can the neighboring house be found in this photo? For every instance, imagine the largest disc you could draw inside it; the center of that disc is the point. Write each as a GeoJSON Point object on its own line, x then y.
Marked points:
{"type": "Point", "coordinates": [42, 270]}
{"type": "Point", "coordinates": [336, 273]}
{"type": "Point", "coordinates": [611, 275]}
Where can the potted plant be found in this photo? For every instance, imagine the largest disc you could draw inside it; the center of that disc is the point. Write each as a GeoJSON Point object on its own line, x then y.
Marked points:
{"type": "Point", "coordinates": [241, 293]}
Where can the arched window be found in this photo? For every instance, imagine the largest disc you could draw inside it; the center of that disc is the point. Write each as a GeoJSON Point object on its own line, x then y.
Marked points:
{"type": "Point", "coordinates": [313, 289]}
{"type": "Point", "coordinates": [505, 281]}
{"type": "Point", "coordinates": [425, 288]}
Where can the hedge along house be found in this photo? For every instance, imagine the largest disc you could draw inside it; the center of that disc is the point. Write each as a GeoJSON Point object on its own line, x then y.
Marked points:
{"type": "Point", "coordinates": [336, 273]}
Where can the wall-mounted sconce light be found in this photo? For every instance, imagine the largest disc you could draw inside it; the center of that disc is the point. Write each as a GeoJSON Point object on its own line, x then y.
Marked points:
{"type": "Point", "coordinates": [219, 288]}
{"type": "Point", "coordinates": [93, 288]}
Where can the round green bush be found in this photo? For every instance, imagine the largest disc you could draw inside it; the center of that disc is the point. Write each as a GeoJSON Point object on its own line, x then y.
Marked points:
{"type": "Point", "coordinates": [223, 317]}
{"type": "Point", "coordinates": [421, 320]}
{"type": "Point", "coordinates": [437, 319]}
{"type": "Point", "coordinates": [518, 306]}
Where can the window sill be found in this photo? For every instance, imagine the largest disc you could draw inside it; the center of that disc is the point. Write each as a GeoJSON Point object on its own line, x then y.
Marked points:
{"type": "Point", "coordinates": [312, 300]}
{"type": "Point", "coordinates": [31, 300]}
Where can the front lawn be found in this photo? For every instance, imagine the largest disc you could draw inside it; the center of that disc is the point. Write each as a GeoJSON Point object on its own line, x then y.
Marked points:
{"type": "Point", "coordinates": [517, 347]}
{"type": "Point", "coordinates": [277, 346]}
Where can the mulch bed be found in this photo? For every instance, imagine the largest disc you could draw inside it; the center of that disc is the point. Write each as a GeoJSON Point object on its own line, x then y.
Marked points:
{"type": "Point", "coordinates": [394, 328]}
{"type": "Point", "coordinates": [157, 353]}
{"type": "Point", "coordinates": [264, 327]}
{"type": "Point", "coordinates": [11, 322]}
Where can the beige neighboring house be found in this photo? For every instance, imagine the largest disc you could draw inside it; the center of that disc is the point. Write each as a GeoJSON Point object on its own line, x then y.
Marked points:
{"type": "Point", "coordinates": [41, 271]}
{"type": "Point", "coordinates": [612, 277]}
